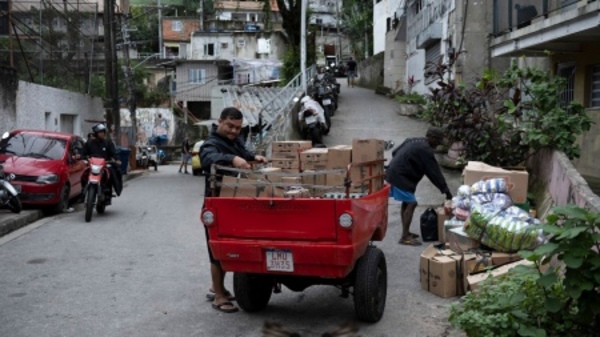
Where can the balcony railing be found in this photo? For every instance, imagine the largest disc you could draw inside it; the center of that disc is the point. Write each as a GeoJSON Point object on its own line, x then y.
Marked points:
{"type": "Point", "coordinates": [514, 14]}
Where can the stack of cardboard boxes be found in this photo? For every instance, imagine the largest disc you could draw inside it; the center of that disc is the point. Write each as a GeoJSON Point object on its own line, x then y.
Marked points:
{"type": "Point", "coordinates": [299, 156]}
{"type": "Point", "coordinates": [457, 264]}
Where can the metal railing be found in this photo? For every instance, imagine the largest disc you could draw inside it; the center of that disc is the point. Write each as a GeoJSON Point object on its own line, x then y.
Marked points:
{"type": "Point", "coordinates": [514, 14]}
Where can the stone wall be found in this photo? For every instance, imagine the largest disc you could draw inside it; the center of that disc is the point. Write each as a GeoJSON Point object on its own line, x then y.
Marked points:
{"type": "Point", "coordinates": [556, 182]}
{"type": "Point", "coordinates": [9, 83]}
{"type": "Point", "coordinates": [370, 72]}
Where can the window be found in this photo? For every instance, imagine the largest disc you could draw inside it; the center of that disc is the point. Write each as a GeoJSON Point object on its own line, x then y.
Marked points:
{"type": "Point", "coordinates": [197, 76]}
{"type": "Point", "coordinates": [319, 21]}
{"type": "Point", "coordinates": [432, 55]}
{"type": "Point", "coordinates": [567, 71]}
{"type": "Point", "coordinates": [595, 87]}
{"type": "Point", "coordinates": [209, 49]}
{"type": "Point", "coordinates": [388, 24]}
{"type": "Point", "coordinates": [224, 45]}
{"type": "Point", "coordinates": [177, 26]}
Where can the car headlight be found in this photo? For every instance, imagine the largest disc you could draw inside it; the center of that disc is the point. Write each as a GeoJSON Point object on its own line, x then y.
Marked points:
{"type": "Point", "coordinates": [96, 169]}
{"type": "Point", "coordinates": [346, 220]}
{"type": "Point", "coordinates": [47, 179]}
{"type": "Point", "coordinates": [208, 218]}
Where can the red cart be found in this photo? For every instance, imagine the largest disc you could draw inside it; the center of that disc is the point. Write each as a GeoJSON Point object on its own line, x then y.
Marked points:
{"type": "Point", "coordinates": [302, 242]}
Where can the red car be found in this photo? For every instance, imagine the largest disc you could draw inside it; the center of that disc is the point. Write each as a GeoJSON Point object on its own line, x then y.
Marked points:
{"type": "Point", "coordinates": [42, 163]}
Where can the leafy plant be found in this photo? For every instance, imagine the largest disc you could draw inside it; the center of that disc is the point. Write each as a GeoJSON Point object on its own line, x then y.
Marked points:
{"type": "Point", "coordinates": [509, 305]}
{"type": "Point", "coordinates": [503, 119]}
{"type": "Point", "coordinates": [413, 98]}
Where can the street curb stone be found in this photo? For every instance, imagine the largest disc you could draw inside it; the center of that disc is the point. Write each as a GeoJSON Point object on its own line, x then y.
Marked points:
{"type": "Point", "coordinates": [10, 222]}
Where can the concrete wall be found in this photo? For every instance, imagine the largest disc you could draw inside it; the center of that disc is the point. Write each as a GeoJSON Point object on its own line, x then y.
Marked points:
{"type": "Point", "coordinates": [556, 182]}
{"type": "Point", "coordinates": [187, 91]}
{"type": "Point", "coordinates": [46, 108]}
{"type": "Point", "coordinates": [370, 72]}
{"type": "Point", "coordinates": [148, 125]}
{"type": "Point", "coordinates": [382, 10]}
{"type": "Point", "coordinates": [394, 63]}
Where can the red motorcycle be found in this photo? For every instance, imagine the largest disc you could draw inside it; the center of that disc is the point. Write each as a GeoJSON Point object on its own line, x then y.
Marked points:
{"type": "Point", "coordinates": [98, 188]}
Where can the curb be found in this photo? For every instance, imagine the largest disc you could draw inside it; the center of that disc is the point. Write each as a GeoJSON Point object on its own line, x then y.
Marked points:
{"type": "Point", "coordinates": [10, 222]}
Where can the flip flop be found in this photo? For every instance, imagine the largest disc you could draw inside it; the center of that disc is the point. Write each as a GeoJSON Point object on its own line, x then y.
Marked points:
{"type": "Point", "coordinates": [219, 307]}
{"type": "Point", "coordinates": [211, 296]}
{"type": "Point", "coordinates": [410, 242]}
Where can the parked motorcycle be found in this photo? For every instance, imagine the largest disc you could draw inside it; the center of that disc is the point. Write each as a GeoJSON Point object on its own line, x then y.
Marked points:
{"type": "Point", "coordinates": [9, 194]}
{"type": "Point", "coordinates": [312, 129]}
{"type": "Point", "coordinates": [98, 188]}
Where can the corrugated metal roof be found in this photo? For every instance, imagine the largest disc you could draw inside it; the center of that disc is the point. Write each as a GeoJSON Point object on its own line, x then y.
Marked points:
{"type": "Point", "coordinates": [251, 100]}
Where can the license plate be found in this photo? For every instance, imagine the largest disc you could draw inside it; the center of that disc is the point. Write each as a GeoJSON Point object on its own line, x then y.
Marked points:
{"type": "Point", "coordinates": [280, 260]}
{"type": "Point", "coordinates": [327, 101]}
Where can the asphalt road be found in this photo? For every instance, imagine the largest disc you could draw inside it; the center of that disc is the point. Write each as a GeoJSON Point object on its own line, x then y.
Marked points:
{"type": "Point", "coordinates": [141, 269]}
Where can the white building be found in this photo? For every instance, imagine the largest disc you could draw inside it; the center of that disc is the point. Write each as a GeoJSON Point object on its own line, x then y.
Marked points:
{"type": "Point", "coordinates": [384, 11]}
{"type": "Point", "coordinates": [325, 13]}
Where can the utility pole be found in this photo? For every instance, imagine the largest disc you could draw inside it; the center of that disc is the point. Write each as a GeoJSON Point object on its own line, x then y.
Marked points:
{"type": "Point", "coordinates": [107, 62]}
{"type": "Point", "coordinates": [160, 37]}
{"type": "Point", "coordinates": [303, 44]}
{"type": "Point", "coordinates": [337, 30]}
{"type": "Point", "coordinates": [201, 13]}
{"type": "Point", "coordinates": [131, 100]}
{"type": "Point", "coordinates": [116, 113]}
{"type": "Point", "coordinates": [10, 43]}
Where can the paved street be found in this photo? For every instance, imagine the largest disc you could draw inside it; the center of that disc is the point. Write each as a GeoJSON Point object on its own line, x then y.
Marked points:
{"type": "Point", "coordinates": [141, 269]}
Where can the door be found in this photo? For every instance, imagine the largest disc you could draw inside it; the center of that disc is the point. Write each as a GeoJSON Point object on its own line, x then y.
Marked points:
{"type": "Point", "coordinates": [67, 123]}
{"type": "Point", "coordinates": [75, 167]}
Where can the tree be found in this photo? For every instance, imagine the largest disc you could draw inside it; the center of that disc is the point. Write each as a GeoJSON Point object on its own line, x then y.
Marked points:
{"type": "Point", "coordinates": [357, 23]}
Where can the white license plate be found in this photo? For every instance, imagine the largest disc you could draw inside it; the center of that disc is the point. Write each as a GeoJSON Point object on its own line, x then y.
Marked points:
{"type": "Point", "coordinates": [327, 101]}
{"type": "Point", "coordinates": [280, 260]}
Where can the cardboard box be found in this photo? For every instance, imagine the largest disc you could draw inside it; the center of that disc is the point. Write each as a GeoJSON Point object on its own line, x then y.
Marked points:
{"type": "Point", "coordinates": [291, 180]}
{"type": "Point", "coordinates": [316, 179]}
{"type": "Point", "coordinates": [247, 188]}
{"type": "Point", "coordinates": [286, 164]}
{"type": "Point", "coordinates": [314, 159]}
{"type": "Point", "coordinates": [459, 240]}
{"type": "Point", "coordinates": [475, 280]}
{"type": "Point", "coordinates": [499, 259]}
{"type": "Point", "coordinates": [359, 176]}
{"type": "Point", "coordinates": [291, 146]}
{"type": "Point", "coordinates": [364, 150]}
{"type": "Point", "coordinates": [451, 224]}
{"type": "Point", "coordinates": [517, 181]}
{"type": "Point", "coordinates": [339, 156]}
{"type": "Point", "coordinates": [438, 271]}
{"type": "Point", "coordinates": [265, 174]}
{"type": "Point", "coordinates": [441, 217]}
{"type": "Point", "coordinates": [334, 179]}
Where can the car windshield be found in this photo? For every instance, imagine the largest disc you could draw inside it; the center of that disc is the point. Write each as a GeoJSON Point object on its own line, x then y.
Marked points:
{"type": "Point", "coordinates": [33, 146]}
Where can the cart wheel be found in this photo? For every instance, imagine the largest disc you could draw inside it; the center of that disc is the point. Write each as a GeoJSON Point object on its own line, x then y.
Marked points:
{"type": "Point", "coordinates": [252, 292]}
{"type": "Point", "coordinates": [370, 285]}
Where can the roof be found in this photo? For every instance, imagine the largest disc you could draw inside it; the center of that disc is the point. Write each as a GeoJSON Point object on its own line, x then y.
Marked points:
{"type": "Point", "coordinates": [251, 101]}
{"type": "Point", "coordinates": [46, 133]}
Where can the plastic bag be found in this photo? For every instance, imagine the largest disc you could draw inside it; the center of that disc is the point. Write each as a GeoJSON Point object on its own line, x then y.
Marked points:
{"type": "Point", "coordinates": [495, 185]}
{"type": "Point", "coordinates": [464, 191]}
{"type": "Point", "coordinates": [461, 202]}
{"type": "Point", "coordinates": [505, 230]}
{"type": "Point", "coordinates": [429, 226]}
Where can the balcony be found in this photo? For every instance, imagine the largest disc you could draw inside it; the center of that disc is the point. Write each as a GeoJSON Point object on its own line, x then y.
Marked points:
{"type": "Point", "coordinates": [529, 27]}
{"type": "Point", "coordinates": [429, 36]}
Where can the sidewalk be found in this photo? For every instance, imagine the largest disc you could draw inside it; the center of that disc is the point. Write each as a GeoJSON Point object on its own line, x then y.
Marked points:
{"type": "Point", "coordinates": [10, 222]}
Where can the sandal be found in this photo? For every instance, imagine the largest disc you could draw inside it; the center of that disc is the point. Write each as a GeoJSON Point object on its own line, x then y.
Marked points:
{"type": "Point", "coordinates": [410, 242]}
{"type": "Point", "coordinates": [211, 295]}
{"type": "Point", "coordinates": [414, 236]}
{"type": "Point", "coordinates": [219, 307]}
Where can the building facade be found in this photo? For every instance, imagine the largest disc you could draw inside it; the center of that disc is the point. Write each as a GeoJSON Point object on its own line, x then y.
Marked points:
{"type": "Point", "coordinates": [570, 30]}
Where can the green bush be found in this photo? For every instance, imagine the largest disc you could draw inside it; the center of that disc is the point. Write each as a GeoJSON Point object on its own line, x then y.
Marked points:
{"type": "Point", "coordinates": [412, 98]}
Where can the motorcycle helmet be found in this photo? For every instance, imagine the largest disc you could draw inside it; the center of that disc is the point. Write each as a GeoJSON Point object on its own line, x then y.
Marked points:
{"type": "Point", "coordinates": [305, 99]}
{"type": "Point", "coordinates": [99, 128]}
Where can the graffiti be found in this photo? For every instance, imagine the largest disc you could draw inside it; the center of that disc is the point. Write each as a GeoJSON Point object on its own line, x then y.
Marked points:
{"type": "Point", "coordinates": [154, 125]}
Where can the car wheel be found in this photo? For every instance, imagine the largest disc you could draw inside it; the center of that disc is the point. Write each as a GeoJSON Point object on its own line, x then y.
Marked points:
{"type": "Point", "coordinates": [252, 292]}
{"type": "Point", "coordinates": [63, 202]}
{"type": "Point", "coordinates": [370, 285]}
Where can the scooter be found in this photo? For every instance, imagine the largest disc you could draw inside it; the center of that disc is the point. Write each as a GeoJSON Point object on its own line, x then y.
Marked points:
{"type": "Point", "coordinates": [97, 190]}
{"type": "Point", "coordinates": [312, 130]}
{"type": "Point", "coordinates": [9, 194]}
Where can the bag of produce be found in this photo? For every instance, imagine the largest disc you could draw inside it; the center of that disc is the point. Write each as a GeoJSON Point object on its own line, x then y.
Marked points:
{"type": "Point", "coordinates": [464, 191]}
{"type": "Point", "coordinates": [506, 230]}
{"type": "Point", "coordinates": [461, 202]}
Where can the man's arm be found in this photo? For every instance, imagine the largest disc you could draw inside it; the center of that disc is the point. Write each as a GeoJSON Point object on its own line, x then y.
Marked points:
{"type": "Point", "coordinates": [210, 154]}
{"type": "Point", "coordinates": [434, 173]}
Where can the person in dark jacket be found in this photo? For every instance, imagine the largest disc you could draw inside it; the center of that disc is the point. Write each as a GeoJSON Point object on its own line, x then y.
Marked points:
{"type": "Point", "coordinates": [412, 160]}
{"type": "Point", "coordinates": [101, 147]}
{"type": "Point", "coordinates": [224, 147]}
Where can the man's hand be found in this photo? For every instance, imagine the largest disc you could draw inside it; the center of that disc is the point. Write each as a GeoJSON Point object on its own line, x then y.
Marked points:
{"type": "Point", "coordinates": [118, 162]}
{"type": "Point", "coordinates": [261, 159]}
{"type": "Point", "coordinates": [241, 163]}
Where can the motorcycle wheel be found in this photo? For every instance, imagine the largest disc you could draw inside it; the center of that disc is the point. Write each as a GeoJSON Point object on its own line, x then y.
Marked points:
{"type": "Point", "coordinates": [327, 120]}
{"type": "Point", "coordinates": [89, 203]}
{"type": "Point", "coordinates": [15, 204]}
